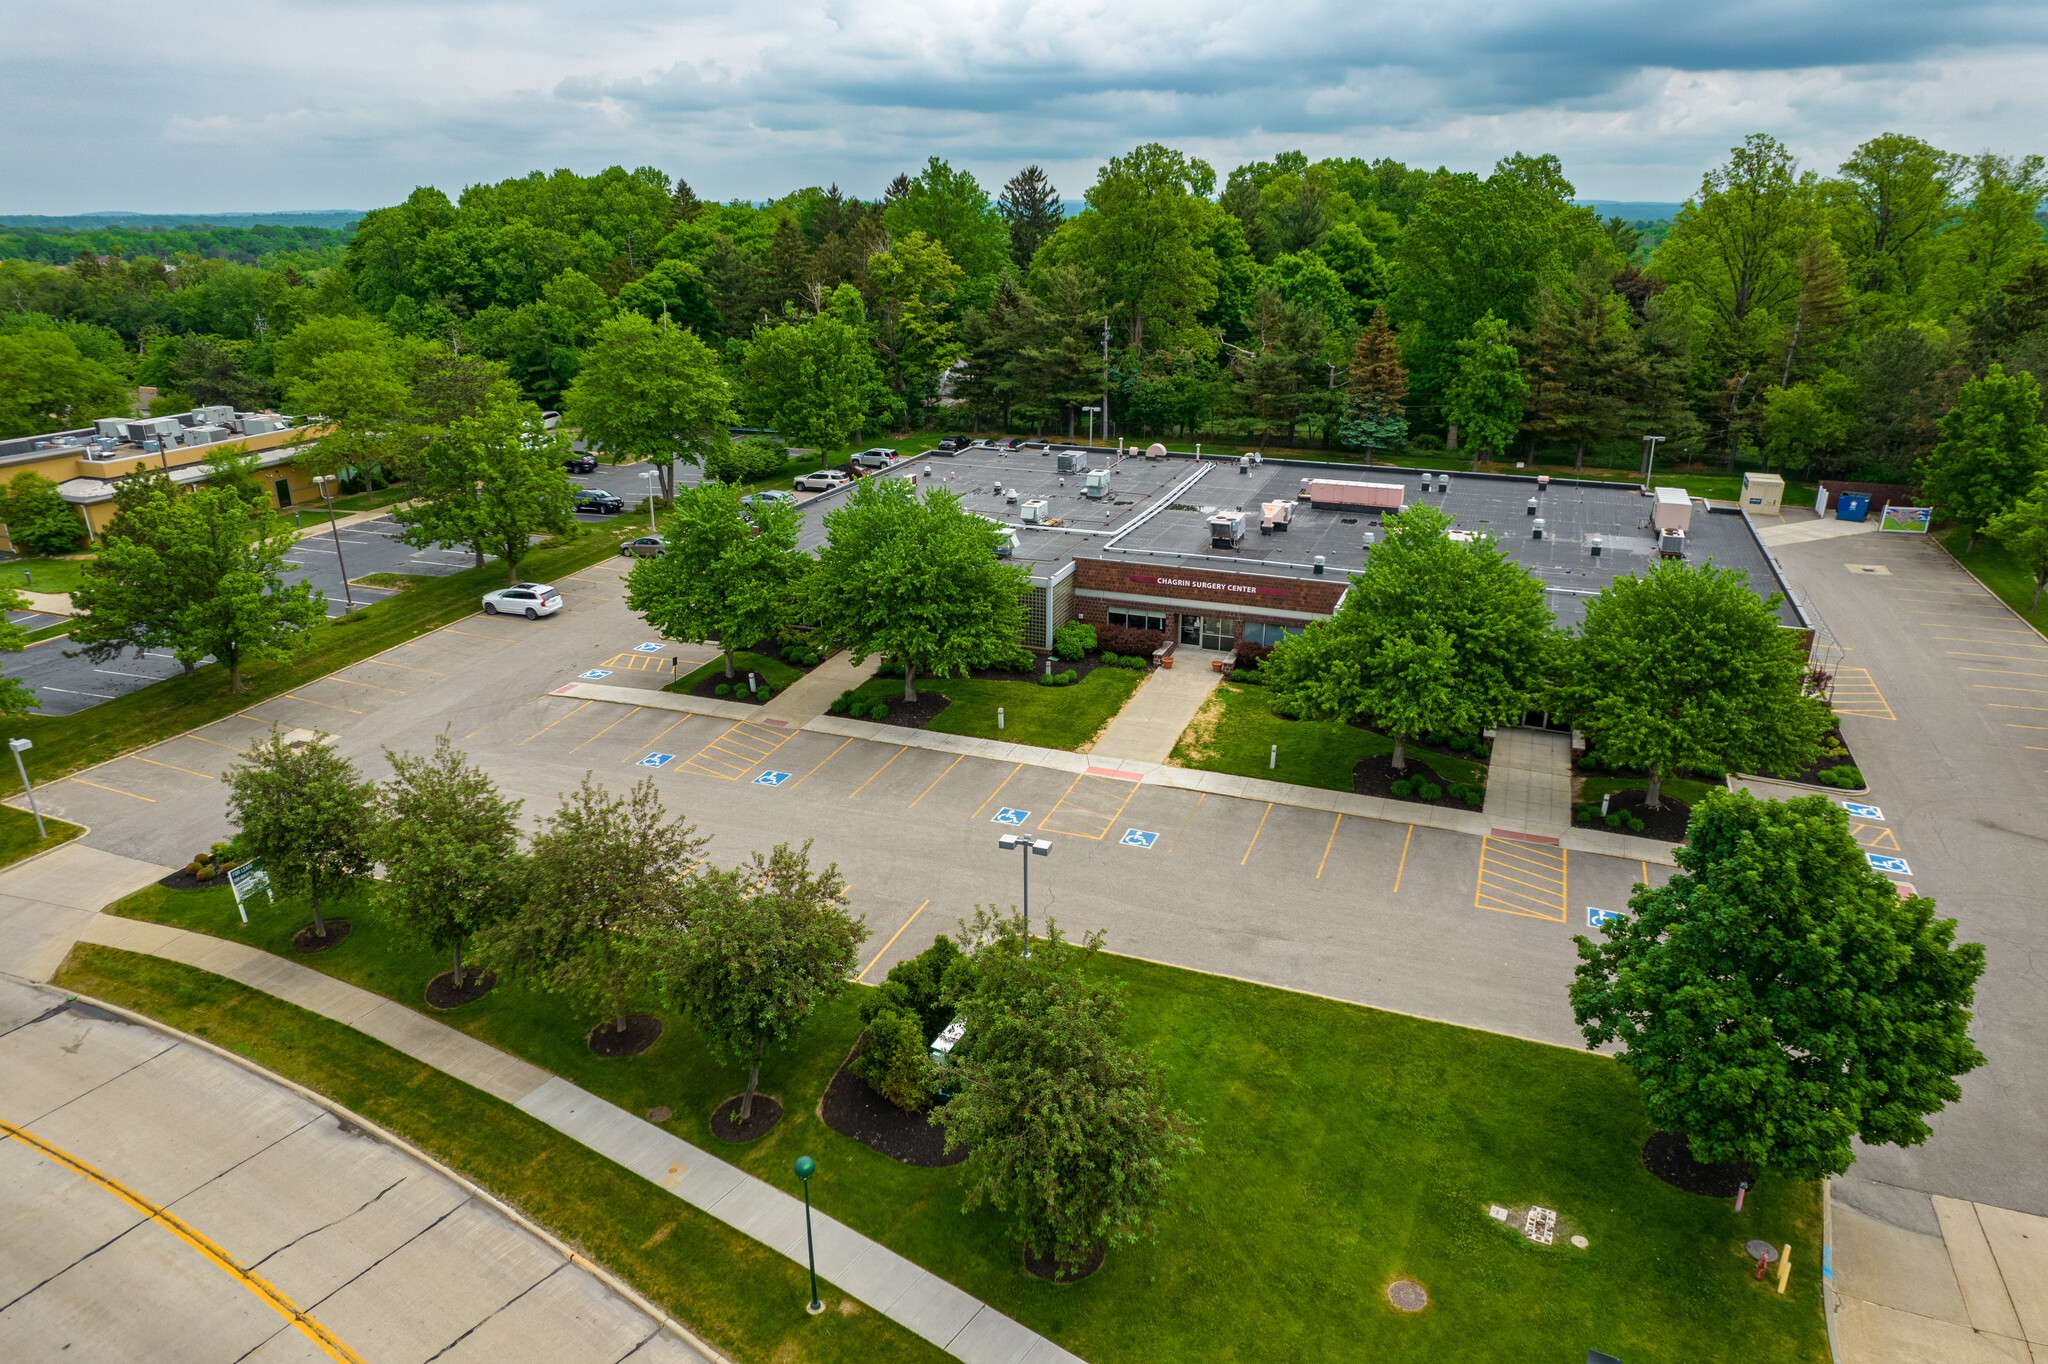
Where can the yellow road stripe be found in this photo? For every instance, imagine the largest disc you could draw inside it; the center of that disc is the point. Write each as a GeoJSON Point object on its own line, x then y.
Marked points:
{"type": "Point", "coordinates": [609, 728]}
{"type": "Point", "coordinates": [115, 789]}
{"type": "Point", "coordinates": [551, 724]}
{"type": "Point", "coordinates": [1327, 846]}
{"type": "Point", "coordinates": [1256, 832]}
{"type": "Point", "coordinates": [878, 772]}
{"type": "Point", "coordinates": [173, 766]}
{"type": "Point", "coordinates": [1404, 858]}
{"type": "Point", "coordinates": [329, 1343]}
{"type": "Point", "coordinates": [889, 944]}
{"type": "Point", "coordinates": [821, 762]}
{"type": "Point", "coordinates": [935, 781]}
{"type": "Point", "coordinates": [991, 795]}
{"type": "Point", "coordinates": [1500, 884]}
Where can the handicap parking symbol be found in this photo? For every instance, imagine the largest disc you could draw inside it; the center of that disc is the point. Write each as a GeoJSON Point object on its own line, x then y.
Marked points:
{"type": "Point", "coordinates": [1895, 865]}
{"type": "Point", "coordinates": [1596, 917]}
{"type": "Point", "coordinates": [1138, 838]}
{"type": "Point", "coordinates": [771, 779]}
{"type": "Point", "coordinates": [596, 673]}
{"type": "Point", "coordinates": [646, 648]}
{"type": "Point", "coordinates": [656, 760]}
{"type": "Point", "coordinates": [1008, 816]}
{"type": "Point", "coordinates": [1864, 811]}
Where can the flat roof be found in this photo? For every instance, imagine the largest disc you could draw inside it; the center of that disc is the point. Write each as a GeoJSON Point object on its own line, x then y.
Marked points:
{"type": "Point", "coordinates": [1158, 513]}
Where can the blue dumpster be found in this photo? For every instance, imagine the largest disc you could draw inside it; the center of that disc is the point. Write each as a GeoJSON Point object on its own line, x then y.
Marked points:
{"type": "Point", "coordinates": [1852, 506]}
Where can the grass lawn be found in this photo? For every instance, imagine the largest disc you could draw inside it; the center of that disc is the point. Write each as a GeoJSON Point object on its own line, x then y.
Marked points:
{"type": "Point", "coordinates": [396, 581]}
{"type": "Point", "coordinates": [67, 743]}
{"type": "Point", "coordinates": [1050, 717]}
{"type": "Point", "coordinates": [18, 834]}
{"type": "Point", "coordinates": [729, 1289]}
{"type": "Point", "coordinates": [1343, 1147]}
{"type": "Point", "coordinates": [43, 575]}
{"type": "Point", "coordinates": [357, 502]}
{"type": "Point", "coordinates": [1998, 570]}
{"type": "Point", "coordinates": [1236, 729]}
{"type": "Point", "coordinates": [773, 671]}
{"type": "Point", "coordinates": [1678, 788]}
{"type": "Point", "coordinates": [62, 627]}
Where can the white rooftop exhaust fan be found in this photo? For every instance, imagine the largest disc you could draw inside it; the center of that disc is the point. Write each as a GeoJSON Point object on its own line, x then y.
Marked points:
{"type": "Point", "coordinates": [1443, 483]}
{"type": "Point", "coordinates": [1319, 565]}
{"type": "Point", "coordinates": [1539, 528]}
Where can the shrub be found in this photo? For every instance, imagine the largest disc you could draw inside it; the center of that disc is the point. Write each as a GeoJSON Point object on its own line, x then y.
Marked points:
{"type": "Point", "coordinates": [1402, 787]}
{"type": "Point", "coordinates": [1074, 640]}
{"type": "Point", "coordinates": [895, 1058]}
{"type": "Point", "coordinates": [1249, 656]}
{"type": "Point", "coordinates": [889, 668]}
{"type": "Point", "coordinates": [1712, 774]}
{"type": "Point", "coordinates": [1847, 778]}
{"type": "Point", "coordinates": [1616, 819]}
{"type": "Point", "coordinates": [917, 987]}
{"type": "Point", "coordinates": [1124, 640]}
{"type": "Point", "coordinates": [842, 703]}
{"type": "Point", "coordinates": [722, 689]}
{"type": "Point", "coordinates": [1429, 790]}
{"type": "Point", "coordinates": [747, 460]}
{"type": "Point", "coordinates": [1635, 826]}
{"type": "Point", "coordinates": [767, 693]}
{"type": "Point", "coordinates": [207, 872]}
{"type": "Point", "coordinates": [1065, 679]}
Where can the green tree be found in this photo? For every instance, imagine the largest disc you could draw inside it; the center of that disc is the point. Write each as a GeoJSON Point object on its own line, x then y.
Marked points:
{"type": "Point", "coordinates": [304, 811]}
{"type": "Point", "coordinates": [134, 587]}
{"type": "Point", "coordinates": [915, 577]}
{"type": "Point", "coordinates": [365, 399]}
{"type": "Point", "coordinates": [294, 355]}
{"type": "Point", "coordinates": [1995, 237]}
{"type": "Point", "coordinates": [1485, 394]}
{"type": "Point", "coordinates": [1895, 194]}
{"type": "Point", "coordinates": [723, 576]}
{"type": "Point", "coordinates": [1777, 999]}
{"type": "Point", "coordinates": [490, 483]}
{"type": "Point", "coordinates": [1069, 1128]}
{"type": "Point", "coordinates": [602, 870]}
{"type": "Point", "coordinates": [914, 282]}
{"type": "Point", "coordinates": [1807, 426]}
{"type": "Point", "coordinates": [1582, 366]}
{"type": "Point", "coordinates": [1684, 666]}
{"type": "Point", "coordinates": [1032, 209]}
{"type": "Point", "coordinates": [950, 207]}
{"type": "Point", "coordinates": [653, 392]}
{"type": "Point", "coordinates": [449, 843]}
{"type": "Point", "coordinates": [37, 518]}
{"type": "Point", "coordinates": [230, 465]}
{"type": "Point", "coordinates": [1992, 448]}
{"type": "Point", "coordinates": [47, 385]}
{"type": "Point", "coordinates": [763, 946]}
{"type": "Point", "coordinates": [1375, 417]}
{"type": "Point", "coordinates": [2023, 530]}
{"type": "Point", "coordinates": [1436, 635]}
{"type": "Point", "coordinates": [815, 382]}
{"type": "Point", "coordinates": [15, 696]}
{"type": "Point", "coordinates": [1145, 234]}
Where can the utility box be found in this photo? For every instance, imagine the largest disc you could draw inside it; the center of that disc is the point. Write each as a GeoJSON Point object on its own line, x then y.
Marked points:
{"type": "Point", "coordinates": [1852, 506]}
{"type": "Point", "coordinates": [1096, 483]}
{"type": "Point", "coordinates": [1763, 494]}
{"type": "Point", "coordinates": [1226, 529]}
{"type": "Point", "coordinates": [1672, 510]}
{"type": "Point", "coordinates": [1070, 461]}
{"type": "Point", "coordinates": [1033, 511]}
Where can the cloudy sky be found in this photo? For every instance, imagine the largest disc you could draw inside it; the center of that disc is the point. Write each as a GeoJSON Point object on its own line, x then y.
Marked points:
{"type": "Point", "coordinates": [304, 104]}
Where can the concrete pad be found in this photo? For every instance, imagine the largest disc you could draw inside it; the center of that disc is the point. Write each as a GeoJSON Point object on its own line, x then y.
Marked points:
{"type": "Point", "coordinates": [1164, 705]}
{"type": "Point", "coordinates": [839, 1247]}
{"type": "Point", "coordinates": [1868, 1333]}
{"type": "Point", "coordinates": [47, 1065]}
{"type": "Point", "coordinates": [778, 1222]}
{"type": "Point", "coordinates": [697, 1177]}
{"type": "Point", "coordinates": [1984, 1289]}
{"type": "Point", "coordinates": [1044, 1351]}
{"type": "Point", "coordinates": [664, 1347]}
{"type": "Point", "coordinates": [992, 1338]}
{"type": "Point", "coordinates": [79, 877]}
{"type": "Point", "coordinates": [2020, 1244]}
{"type": "Point", "coordinates": [808, 697]}
{"type": "Point", "coordinates": [287, 1346]}
{"type": "Point", "coordinates": [879, 1277]}
{"type": "Point", "coordinates": [1906, 1270]}
{"type": "Point", "coordinates": [56, 1217]}
{"type": "Point", "coordinates": [130, 935]}
{"type": "Point", "coordinates": [654, 699]}
{"type": "Point", "coordinates": [452, 1052]}
{"type": "Point", "coordinates": [934, 1309]}
{"type": "Point", "coordinates": [565, 1316]}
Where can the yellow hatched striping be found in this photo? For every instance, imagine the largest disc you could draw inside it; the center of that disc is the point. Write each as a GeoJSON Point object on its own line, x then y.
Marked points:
{"type": "Point", "coordinates": [1857, 694]}
{"type": "Point", "coordinates": [1089, 806]}
{"type": "Point", "coordinates": [641, 663]}
{"type": "Point", "coordinates": [738, 751]}
{"type": "Point", "coordinates": [1521, 878]}
{"type": "Point", "coordinates": [1875, 837]}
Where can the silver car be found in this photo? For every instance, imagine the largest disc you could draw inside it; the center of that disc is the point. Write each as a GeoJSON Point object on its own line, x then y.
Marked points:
{"type": "Point", "coordinates": [823, 481]}
{"type": "Point", "coordinates": [646, 547]}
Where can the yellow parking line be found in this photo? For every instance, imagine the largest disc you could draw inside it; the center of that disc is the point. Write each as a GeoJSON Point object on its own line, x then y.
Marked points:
{"type": "Point", "coordinates": [1404, 858]}
{"type": "Point", "coordinates": [659, 737]}
{"type": "Point", "coordinates": [551, 724]}
{"type": "Point", "coordinates": [329, 1343]}
{"type": "Point", "coordinates": [2002, 672]}
{"type": "Point", "coordinates": [385, 664]}
{"type": "Point", "coordinates": [878, 772]}
{"type": "Point", "coordinates": [821, 762]}
{"type": "Point", "coordinates": [1498, 887]}
{"type": "Point", "coordinates": [371, 685]}
{"type": "Point", "coordinates": [889, 944]}
{"type": "Point", "coordinates": [1199, 798]}
{"type": "Point", "coordinates": [323, 704]}
{"type": "Point", "coordinates": [2007, 705]}
{"type": "Point", "coordinates": [1068, 802]}
{"type": "Point", "coordinates": [115, 789]}
{"type": "Point", "coordinates": [1327, 846]}
{"type": "Point", "coordinates": [609, 728]}
{"type": "Point", "coordinates": [935, 781]}
{"type": "Point", "coordinates": [991, 795]}
{"type": "Point", "coordinates": [1987, 686]}
{"type": "Point", "coordinates": [1261, 829]}
{"type": "Point", "coordinates": [215, 742]}
{"type": "Point", "coordinates": [173, 766]}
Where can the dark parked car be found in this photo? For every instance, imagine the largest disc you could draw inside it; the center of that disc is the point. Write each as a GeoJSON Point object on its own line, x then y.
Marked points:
{"type": "Point", "coordinates": [599, 501]}
{"type": "Point", "coordinates": [1011, 443]}
{"type": "Point", "coordinates": [952, 445]}
{"type": "Point", "coordinates": [582, 463]}
{"type": "Point", "coordinates": [1035, 444]}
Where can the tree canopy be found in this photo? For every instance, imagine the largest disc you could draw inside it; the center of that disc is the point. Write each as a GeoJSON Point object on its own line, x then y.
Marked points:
{"type": "Point", "coordinates": [727, 575]}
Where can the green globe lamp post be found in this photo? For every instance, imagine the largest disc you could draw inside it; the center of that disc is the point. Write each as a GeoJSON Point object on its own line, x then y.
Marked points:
{"type": "Point", "coordinates": [805, 1168]}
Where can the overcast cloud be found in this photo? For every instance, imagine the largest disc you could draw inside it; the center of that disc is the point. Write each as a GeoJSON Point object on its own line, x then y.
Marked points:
{"type": "Point", "coordinates": [321, 104]}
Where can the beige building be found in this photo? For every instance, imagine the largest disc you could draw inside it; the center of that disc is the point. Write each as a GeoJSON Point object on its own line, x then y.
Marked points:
{"type": "Point", "coordinates": [86, 463]}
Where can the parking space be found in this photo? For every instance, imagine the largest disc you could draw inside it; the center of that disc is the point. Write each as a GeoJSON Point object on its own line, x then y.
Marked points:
{"type": "Point", "coordinates": [1090, 806]}
{"type": "Point", "coordinates": [734, 753]}
{"type": "Point", "coordinates": [1522, 875]}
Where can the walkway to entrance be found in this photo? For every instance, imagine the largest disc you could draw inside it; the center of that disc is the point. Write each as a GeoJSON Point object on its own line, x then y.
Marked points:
{"type": "Point", "coordinates": [1150, 723]}
{"type": "Point", "coordinates": [1529, 780]}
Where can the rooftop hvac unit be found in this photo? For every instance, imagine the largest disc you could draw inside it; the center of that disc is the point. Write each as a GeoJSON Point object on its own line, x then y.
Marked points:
{"type": "Point", "coordinates": [1034, 511]}
{"type": "Point", "coordinates": [109, 428]}
{"type": "Point", "coordinates": [212, 416]}
{"type": "Point", "coordinates": [1226, 529]}
{"type": "Point", "coordinates": [1275, 516]}
{"type": "Point", "coordinates": [1070, 462]}
{"type": "Point", "coordinates": [1096, 484]}
{"type": "Point", "coordinates": [1672, 510]}
{"type": "Point", "coordinates": [1006, 546]}
{"type": "Point", "coordinates": [1333, 492]}
{"type": "Point", "coordinates": [1671, 542]}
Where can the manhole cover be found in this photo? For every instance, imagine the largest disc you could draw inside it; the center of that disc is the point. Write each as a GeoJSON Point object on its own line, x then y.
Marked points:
{"type": "Point", "coordinates": [1407, 1295]}
{"type": "Point", "coordinates": [1869, 568]}
{"type": "Point", "coordinates": [1761, 1250]}
{"type": "Point", "coordinates": [658, 1114]}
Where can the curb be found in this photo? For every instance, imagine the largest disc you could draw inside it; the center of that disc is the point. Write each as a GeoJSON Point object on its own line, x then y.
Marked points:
{"type": "Point", "coordinates": [610, 1280]}
{"type": "Point", "coordinates": [84, 832]}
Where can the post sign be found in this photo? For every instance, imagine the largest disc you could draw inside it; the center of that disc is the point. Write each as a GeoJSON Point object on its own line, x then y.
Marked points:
{"type": "Point", "coordinates": [245, 881]}
{"type": "Point", "coordinates": [1912, 520]}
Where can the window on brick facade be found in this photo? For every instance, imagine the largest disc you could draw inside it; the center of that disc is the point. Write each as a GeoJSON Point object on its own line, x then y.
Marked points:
{"type": "Point", "coordinates": [1137, 620]}
{"type": "Point", "coordinates": [1259, 632]}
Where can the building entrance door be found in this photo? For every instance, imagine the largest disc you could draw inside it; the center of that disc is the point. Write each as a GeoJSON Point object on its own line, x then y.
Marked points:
{"type": "Point", "coordinates": [1191, 631]}
{"type": "Point", "coordinates": [1218, 634]}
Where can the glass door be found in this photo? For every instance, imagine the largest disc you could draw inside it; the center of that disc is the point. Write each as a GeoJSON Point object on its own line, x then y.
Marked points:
{"type": "Point", "coordinates": [1191, 631]}
{"type": "Point", "coordinates": [1219, 634]}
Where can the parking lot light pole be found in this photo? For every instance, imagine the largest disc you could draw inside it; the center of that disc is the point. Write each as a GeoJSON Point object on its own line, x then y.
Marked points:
{"type": "Point", "coordinates": [805, 1168]}
{"type": "Point", "coordinates": [1091, 411]}
{"type": "Point", "coordinates": [325, 483]}
{"type": "Point", "coordinates": [652, 529]}
{"type": "Point", "coordinates": [1032, 848]}
{"type": "Point", "coordinates": [1650, 454]}
{"type": "Point", "coordinates": [21, 746]}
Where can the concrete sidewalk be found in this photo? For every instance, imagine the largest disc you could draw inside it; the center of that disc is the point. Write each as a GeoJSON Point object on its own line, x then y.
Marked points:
{"type": "Point", "coordinates": [961, 1325]}
{"type": "Point", "coordinates": [46, 901]}
{"type": "Point", "coordinates": [1152, 721]}
{"type": "Point", "coordinates": [1529, 780]}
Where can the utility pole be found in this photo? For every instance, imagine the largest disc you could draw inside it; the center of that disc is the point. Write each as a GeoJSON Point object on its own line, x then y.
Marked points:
{"type": "Point", "coordinates": [1650, 455]}
{"type": "Point", "coordinates": [1105, 380]}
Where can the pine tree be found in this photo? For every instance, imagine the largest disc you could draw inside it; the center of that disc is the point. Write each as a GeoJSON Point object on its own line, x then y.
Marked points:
{"type": "Point", "coordinates": [1375, 416]}
{"type": "Point", "coordinates": [1581, 367]}
{"type": "Point", "coordinates": [1032, 207]}
{"type": "Point", "coordinates": [788, 268]}
{"type": "Point", "coordinates": [1824, 309]}
{"type": "Point", "coordinates": [683, 203]}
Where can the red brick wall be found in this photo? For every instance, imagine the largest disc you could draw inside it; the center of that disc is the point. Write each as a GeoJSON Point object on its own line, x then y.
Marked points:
{"type": "Point", "coordinates": [1206, 592]}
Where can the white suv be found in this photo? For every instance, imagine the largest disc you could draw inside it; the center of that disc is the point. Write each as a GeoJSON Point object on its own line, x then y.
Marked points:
{"type": "Point", "coordinates": [877, 458]}
{"type": "Point", "coordinates": [532, 600]}
{"type": "Point", "coordinates": [823, 481]}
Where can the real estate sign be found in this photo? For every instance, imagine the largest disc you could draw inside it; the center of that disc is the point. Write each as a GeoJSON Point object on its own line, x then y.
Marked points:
{"type": "Point", "coordinates": [246, 880]}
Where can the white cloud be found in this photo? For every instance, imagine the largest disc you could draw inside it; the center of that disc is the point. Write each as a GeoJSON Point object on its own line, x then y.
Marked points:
{"type": "Point", "coordinates": [322, 104]}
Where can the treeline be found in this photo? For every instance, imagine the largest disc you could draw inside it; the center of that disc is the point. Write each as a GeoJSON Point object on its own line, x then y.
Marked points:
{"type": "Point", "coordinates": [58, 246]}
{"type": "Point", "coordinates": [1817, 322]}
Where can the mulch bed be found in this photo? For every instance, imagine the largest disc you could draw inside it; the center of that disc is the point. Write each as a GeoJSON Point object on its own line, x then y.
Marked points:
{"type": "Point", "coordinates": [854, 1108]}
{"type": "Point", "coordinates": [726, 1127]}
{"type": "Point", "coordinates": [442, 994]}
{"type": "Point", "coordinates": [918, 714]}
{"type": "Point", "coordinates": [1080, 667]}
{"type": "Point", "coordinates": [607, 1041]}
{"type": "Point", "coordinates": [1667, 1156]}
{"type": "Point", "coordinates": [185, 880]}
{"type": "Point", "coordinates": [1045, 1267]}
{"type": "Point", "coordinates": [1666, 825]}
{"type": "Point", "coordinates": [736, 688]}
{"type": "Point", "coordinates": [771, 649]}
{"type": "Point", "coordinates": [1810, 776]}
{"type": "Point", "coordinates": [305, 941]}
{"type": "Point", "coordinates": [1376, 776]}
